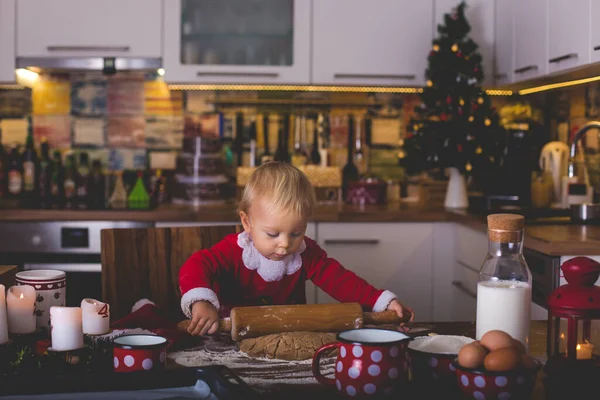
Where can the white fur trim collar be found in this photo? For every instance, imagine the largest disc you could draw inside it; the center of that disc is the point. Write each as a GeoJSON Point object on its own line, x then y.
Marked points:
{"type": "Point", "coordinates": [269, 270]}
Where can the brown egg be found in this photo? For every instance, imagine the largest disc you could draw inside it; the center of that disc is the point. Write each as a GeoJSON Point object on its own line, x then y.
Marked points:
{"type": "Point", "coordinates": [472, 355]}
{"type": "Point", "coordinates": [528, 362]}
{"type": "Point", "coordinates": [520, 346]}
{"type": "Point", "coordinates": [496, 339]}
{"type": "Point", "coordinates": [504, 359]}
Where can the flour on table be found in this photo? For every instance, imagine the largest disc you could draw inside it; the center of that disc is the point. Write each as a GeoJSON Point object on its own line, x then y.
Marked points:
{"type": "Point", "coordinates": [440, 344]}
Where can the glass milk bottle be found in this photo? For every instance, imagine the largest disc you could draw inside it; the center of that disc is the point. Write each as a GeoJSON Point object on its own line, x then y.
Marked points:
{"type": "Point", "coordinates": [504, 287]}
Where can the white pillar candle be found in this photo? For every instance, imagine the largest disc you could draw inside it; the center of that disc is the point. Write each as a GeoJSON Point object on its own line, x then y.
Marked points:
{"type": "Point", "coordinates": [20, 302]}
{"type": "Point", "coordinates": [67, 332]}
{"type": "Point", "coordinates": [3, 320]}
{"type": "Point", "coordinates": [96, 317]}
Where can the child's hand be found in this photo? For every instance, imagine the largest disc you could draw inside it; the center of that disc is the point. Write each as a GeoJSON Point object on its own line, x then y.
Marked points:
{"type": "Point", "coordinates": [205, 319]}
{"type": "Point", "coordinates": [402, 311]}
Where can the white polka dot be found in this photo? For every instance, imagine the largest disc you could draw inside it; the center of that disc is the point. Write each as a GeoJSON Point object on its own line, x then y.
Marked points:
{"type": "Point", "coordinates": [479, 381]}
{"type": "Point", "coordinates": [503, 396]}
{"type": "Point", "coordinates": [374, 370]}
{"type": "Point", "coordinates": [433, 362]}
{"type": "Point", "coordinates": [357, 351]}
{"type": "Point", "coordinates": [388, 391]}
{"type": "Point", "coordinates": [353, 372]}
{"type": "Point", "coordinates": [162, 357]}
{"type": "Point", "coordinates": [338, 384]}
{"type": "Point", "coordinates": [376, 356]}
{"type": "Point", "coordinates": [501, 381]}
{"type": "Point", "coordinates": [129, 361]}
{"type": "Point", "coordinates": [521, 380]}
{"type": "Point", "coordinates": [369, 388]}
{"type": "Point", "coordinates": [464, 380]}
{"type": "Point", "coordinates": [394, 351]}
{"type": "Point", "coordinates": [452, 368]}
{"type": "Point", "coordinates": [147, 364]}
{"type": "Point", "coordinates": [393, 373]}
{"type": "Point", "coordinates": [343, 352]}
{"type": "Point", "coordinates": [340, 366]}
{"type": "Point", "coordinates": [478, 395]}
{"type": "Point", "coordinates": [350, 390]}
{"type": "Point", "coordinates": [116, 361]}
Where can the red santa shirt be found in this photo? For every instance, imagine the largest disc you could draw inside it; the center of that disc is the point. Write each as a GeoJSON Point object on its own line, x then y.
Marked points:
{"type": "Point", "coordinates": [233, 273]}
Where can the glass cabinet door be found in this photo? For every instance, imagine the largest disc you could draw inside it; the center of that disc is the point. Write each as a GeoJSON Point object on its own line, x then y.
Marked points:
{"type": "Point", "coordinates": [237, 41]}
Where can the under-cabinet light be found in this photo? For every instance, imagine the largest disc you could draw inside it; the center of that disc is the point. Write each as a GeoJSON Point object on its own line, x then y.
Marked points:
{"type": "Point", "coordinates": [559, 85]}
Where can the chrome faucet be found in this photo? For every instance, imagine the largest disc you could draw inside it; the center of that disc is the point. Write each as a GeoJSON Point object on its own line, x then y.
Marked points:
{"type": "Point", "coordinates": [572, 172]}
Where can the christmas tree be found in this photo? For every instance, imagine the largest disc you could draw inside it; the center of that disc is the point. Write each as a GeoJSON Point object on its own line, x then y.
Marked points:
{"type": "Point", "coordinates": [456, 125]}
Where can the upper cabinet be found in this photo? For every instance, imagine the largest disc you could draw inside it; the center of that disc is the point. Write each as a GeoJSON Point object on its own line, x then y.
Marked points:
{"type": "Point", "coordinates": [480, 15]}
{"type": "Point", "coordinates": [569, 34]}
{"type": "Point", "coordinates": [504, 60]}
{"type": "Point", "coordinates": [531, 39]}
{"type": "Point", "coordinates": [383, 42]}
{"type": "Point", "coordinates": [7, 41]}
{"type": "Point", "coordinates": [89, 28]}
{"type": "Point", "coordinates": [595, 32]}
{"type": "Point", "coordinates": [237, 41]}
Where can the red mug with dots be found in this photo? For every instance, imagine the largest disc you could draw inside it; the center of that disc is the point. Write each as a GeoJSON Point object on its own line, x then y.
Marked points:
{"type": "Point", "coordinates": [134, 353]}
{"type": "Point", "coordinates": [370, 362]}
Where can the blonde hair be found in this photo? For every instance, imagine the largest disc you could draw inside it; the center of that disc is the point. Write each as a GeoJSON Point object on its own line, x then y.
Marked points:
{"type": "Point", "coordinates": [287, 188]}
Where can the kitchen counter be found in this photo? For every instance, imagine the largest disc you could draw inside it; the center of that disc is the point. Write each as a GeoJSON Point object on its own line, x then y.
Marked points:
{"type": "Point", "coordinates": [556, 238]}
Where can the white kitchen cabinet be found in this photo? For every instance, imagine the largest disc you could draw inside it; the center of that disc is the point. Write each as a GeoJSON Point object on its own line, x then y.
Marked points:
{"type": "Point", "coordinates": [383, 42]}
{"type": "Point", "coordinates": [569, 34]}
{"type": "Point", "coordinates": [480, 15]}
{"type": "Point", "coordinates": [393, 256]}
{"type": "Point", "coordinates": [595, 32]}
{"type": "Point", "coordinates": [236, 41]}
{"type": "Point", "coordinates": [7, 41]}
{"type": "Point", "coordinates": [531, 39]}
{"type": "Point", "coordinates": [504, 59]}
{"type": "Point", "coordinates": [89, 28]}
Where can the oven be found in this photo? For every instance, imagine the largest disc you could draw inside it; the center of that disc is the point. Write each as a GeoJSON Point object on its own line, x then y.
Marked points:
{"type": "Point", "coordinates": [545, 271]}
{"type": "Point", "coordinates": [69, 246]}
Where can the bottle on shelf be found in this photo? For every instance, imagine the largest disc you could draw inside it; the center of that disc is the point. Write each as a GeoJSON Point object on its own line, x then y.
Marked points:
{"type": "Point", "coordinates": [70, 182]}
{"type": "Point", "coordinates": [83, 182]}
{"type": "Point", "coordinates": [118, 199]}
{"type": "Point", "coordinates": [97, 187]}
{"type": "Point", "coordinates": [138, 197]}
{"type": "Point", "coordinates": [299, 157]}
{"type": "Point", "coordinates": [315, 154]}
{"type": "Point", "coordinates": [349, 172]}
{"type": "Point", "coordinates": [323, 132]}
{"type": "Point", "coordinates": [252, 161]}
{"type": "Point", "coordinates": [45, 176]}
{"type": "Point", "coordinates": [30, 172]}
{"type": "Point", "coordinates": [3, 172]}
{"type": "Point", "coordinates": [159, 189]}
{"type": "Point", "coordinates": [504, 287]}
{"type": "Point", "coordinates": [282, 153]}
{"type": "Point", "coordinates": [238, 144]}
{"type": "Point", "coordinates": [266, 155]}
{"type": "Point", "coordinates": [57, 190]}
{"type": "Point", "coordinates": [15, 174]}
{"type": "Point", "coordinates": [359, 154]}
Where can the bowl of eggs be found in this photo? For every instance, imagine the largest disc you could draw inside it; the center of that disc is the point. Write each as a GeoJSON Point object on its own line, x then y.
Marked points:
{"type": "Point", "coordinates": [496, 367]}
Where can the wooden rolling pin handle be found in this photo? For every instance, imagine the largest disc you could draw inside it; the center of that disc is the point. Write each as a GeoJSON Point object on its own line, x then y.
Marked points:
{"type": "Point", "coordinates": [384, 317]}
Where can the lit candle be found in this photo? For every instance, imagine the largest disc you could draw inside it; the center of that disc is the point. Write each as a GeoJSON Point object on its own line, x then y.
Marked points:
{"type": "Point", "coordinates": [584, 351]}
{"type": "Point", "coordinates": [20, 302]}
{"type": "Point", "coordinates": [3, 320]}
{"type": "Point", "coordinates": [67, 331]}
{"type": "Point", "coordinates": [96, 317]}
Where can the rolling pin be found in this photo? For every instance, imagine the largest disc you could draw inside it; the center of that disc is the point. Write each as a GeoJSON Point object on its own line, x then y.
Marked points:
{"type": "Point", "coordinates": [255, 321]}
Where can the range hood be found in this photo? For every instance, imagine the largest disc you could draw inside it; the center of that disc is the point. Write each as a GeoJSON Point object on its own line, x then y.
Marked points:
{"type": "Point", "coordinates": [106, 65]}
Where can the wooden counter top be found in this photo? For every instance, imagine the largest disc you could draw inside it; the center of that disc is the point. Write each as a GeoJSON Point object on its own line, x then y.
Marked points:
{"type": "Point", "coordinates": [555, 239]}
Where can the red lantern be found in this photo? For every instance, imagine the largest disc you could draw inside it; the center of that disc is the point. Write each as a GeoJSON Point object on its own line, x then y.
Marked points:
{"type": "Point", "coordinates": [574, 329]}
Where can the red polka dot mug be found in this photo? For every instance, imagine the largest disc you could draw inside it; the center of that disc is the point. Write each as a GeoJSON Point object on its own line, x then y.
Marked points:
{"type": "Point", "coordinates": [139, 353]}
{"type": "Point", "coordinates": [370, 362]}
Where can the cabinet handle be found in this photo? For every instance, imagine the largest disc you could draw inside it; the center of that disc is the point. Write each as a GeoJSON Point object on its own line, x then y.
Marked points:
{"type": "Point", "coordinates": [596, 48]}
{"type": "Point", "coordinates": [459, 285]}
{"type": "Point", "coordinates": [374, 76]}
{"type": "Point", "coordinates": [525, 69]}
{"type": "Point", "coordinates": [562, 58]}
{"type": "Point", "coordinates": [352, 241]}
{"type": "Point", "coordinates": [88, 48]}
{"type": "Point", "coordinates": [239, 74]}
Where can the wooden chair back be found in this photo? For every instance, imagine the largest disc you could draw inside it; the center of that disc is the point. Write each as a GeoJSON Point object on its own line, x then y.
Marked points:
{"type": "Point", "coordinates": [144, 263]}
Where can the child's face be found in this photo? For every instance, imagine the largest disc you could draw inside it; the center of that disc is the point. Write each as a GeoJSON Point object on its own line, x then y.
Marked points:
{"type": "Point", "coordinates": [275, 234]}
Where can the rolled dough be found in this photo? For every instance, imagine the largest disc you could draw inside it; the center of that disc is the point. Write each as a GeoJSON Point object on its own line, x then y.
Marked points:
{"type": "Point", "coordinates": [291, 346]}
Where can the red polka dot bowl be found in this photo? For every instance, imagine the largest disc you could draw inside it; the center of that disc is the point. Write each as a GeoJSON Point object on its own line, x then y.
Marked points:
{"type": "Point", "coordinates": [370, 363]}
{"type": "Point", "coordinates": [135, 353]}
{"type": "Point", "coordinates": [485, 385]}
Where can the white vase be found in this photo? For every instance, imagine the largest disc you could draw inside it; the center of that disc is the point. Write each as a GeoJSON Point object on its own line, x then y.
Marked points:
{"type": "Point", "coordinates": [456, 193]}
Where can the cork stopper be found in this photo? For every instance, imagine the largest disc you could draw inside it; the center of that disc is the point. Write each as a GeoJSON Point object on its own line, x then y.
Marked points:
{"type": "Point", "coordinates": [505, 228]}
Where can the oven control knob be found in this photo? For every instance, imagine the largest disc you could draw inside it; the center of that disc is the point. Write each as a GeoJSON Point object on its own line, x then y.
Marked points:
{"type": "Point", "coordinates": [36, 240]}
